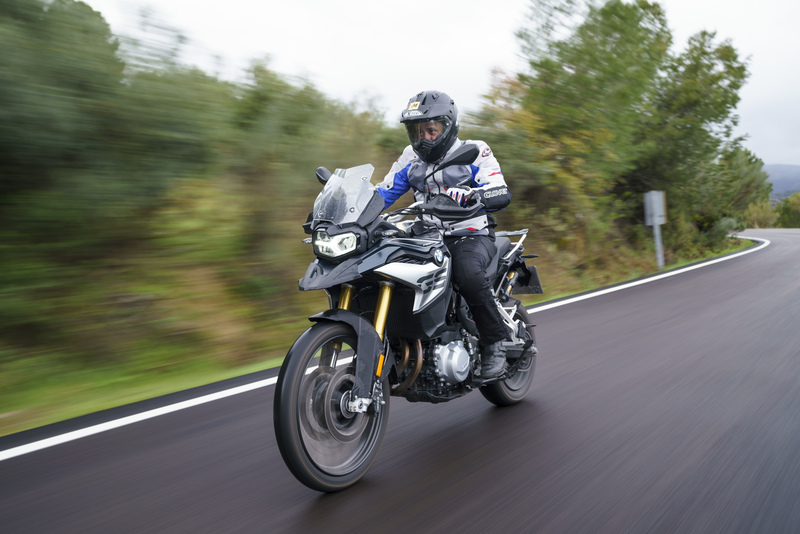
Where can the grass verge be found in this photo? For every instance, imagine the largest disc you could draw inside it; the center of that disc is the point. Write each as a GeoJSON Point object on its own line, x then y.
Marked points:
{"type": "Point", "coordinates": [54, 396]}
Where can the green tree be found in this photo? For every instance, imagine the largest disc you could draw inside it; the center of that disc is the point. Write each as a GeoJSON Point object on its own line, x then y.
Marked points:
{"type": "Point", "coordinates": [588, 92]}
{"type": "Point", "coordinates": [567, 128]}
{"type": "Point", "coordinates": [606, 113]}
{"type": "Point", "coordinates": [683, 131]}
{"type": "Point", "coordinates": [60, 79]}
{"type": "Point", "coordinates": [736, 181]}
{"type": "Point", "coordinates": [760, 215]}
{"type": "Point", "coordinates": [88, 149]}
{"type": "Point", "coordinates": [789, 211]}
{"type": "Point", "coordinates": [59, 74]}
{"type": "Point", "coordinates": [84, 148]}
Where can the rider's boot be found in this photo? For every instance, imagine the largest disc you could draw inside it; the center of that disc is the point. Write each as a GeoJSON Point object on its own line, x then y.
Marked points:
{"type": "Point", "coordinates": [493, 360]}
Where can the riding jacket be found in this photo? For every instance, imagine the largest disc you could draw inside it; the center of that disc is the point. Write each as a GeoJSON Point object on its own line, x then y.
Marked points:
{"type": "Point", "coordinates": [483, 175]}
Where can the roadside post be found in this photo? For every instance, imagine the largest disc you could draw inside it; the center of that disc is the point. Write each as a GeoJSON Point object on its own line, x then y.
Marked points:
{"type": "Point", "coordinates": [655, 214]}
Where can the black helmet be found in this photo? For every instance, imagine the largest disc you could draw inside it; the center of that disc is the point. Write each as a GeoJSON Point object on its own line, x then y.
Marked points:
{"type": "Point", "coordinates": [436, 114]}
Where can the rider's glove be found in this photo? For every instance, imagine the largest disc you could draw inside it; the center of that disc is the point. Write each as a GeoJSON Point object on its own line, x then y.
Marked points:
{"type": "Point", "coordinates": [459, 195]}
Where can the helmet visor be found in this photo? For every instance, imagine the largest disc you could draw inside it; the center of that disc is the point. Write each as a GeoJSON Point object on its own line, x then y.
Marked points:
{"type": "Point", "coordinates": [427, 130]}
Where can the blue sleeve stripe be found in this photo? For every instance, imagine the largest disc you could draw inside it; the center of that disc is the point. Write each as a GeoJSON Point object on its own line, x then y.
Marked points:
{"type": "Point", "coordinates": [399, 187]}
{"type": "Point", "coordinates": [475, 169]}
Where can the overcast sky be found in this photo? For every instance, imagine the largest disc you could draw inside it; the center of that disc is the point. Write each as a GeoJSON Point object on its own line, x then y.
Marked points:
{"type": "Point", "coordinates": [389, 50]}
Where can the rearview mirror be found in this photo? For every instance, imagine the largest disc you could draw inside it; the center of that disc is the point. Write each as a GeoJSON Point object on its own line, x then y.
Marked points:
{"type": "Point", "coordinates": [463, 155]}
{"type": "Point", "coordinates": [323, 175]}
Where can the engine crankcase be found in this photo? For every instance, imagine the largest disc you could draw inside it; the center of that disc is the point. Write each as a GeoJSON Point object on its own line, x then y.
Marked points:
{"type": "Point", "coordinates": [452, 362]}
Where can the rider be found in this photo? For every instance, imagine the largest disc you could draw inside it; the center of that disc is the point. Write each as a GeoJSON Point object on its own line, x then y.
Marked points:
{"type": "Point", "coordinates": [431, 119]}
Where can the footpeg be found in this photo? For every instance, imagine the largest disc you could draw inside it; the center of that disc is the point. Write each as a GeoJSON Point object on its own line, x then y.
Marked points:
{"type": "Point", "coordinates": [477, 381]}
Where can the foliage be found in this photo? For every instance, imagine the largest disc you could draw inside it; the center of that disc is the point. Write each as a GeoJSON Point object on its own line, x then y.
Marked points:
{"type": "Point", "coordinates": [606, 113]}
{"type": "Point", "coordinates": [789, 212]}
{"type": "Point", "coordinates": [150, 213]}
{"type": "Point", "coordinates": [588, 91]}
{"type": "Point", "coordinates": [567, 128]}
{"type": "Point", "coordinates": [732, 184]}
{"type": "Point", "coordinates": [685, 133]}
{"type": "Point", "coordinates": [760, 215]}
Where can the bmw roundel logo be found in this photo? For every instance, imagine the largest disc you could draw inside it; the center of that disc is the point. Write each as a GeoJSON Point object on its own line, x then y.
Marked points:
{"type": "Point", "coordinates": [438, 256]}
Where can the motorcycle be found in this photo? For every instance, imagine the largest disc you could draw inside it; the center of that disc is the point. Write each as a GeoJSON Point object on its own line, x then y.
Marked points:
{"type": "Point", "coordinates": [396, 326]}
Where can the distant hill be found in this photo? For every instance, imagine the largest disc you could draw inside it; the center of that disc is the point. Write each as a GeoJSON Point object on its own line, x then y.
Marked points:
{"type": "Point", "coordinates": [785, 179]}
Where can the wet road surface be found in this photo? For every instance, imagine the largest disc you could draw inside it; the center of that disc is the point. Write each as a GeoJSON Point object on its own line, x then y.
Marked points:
{"type": "Point", "coordinates": [673, 406]}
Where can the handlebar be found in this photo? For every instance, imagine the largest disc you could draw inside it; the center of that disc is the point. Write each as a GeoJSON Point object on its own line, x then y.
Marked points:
{"type": "Point", "coordinates": [442, 207]}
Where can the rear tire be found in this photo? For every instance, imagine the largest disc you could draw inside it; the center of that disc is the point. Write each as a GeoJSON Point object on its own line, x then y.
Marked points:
{"type": "Point", "coordinates": [514, 389]}
{"type": "Point", "coordinates": [326, 447]}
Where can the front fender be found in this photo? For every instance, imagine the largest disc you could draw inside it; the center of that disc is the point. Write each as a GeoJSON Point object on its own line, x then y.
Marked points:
{"type": "Point", "coordinates": [369, 348]}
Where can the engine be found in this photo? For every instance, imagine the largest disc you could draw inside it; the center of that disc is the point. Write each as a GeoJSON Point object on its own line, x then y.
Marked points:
{"type": "Point", "coordinates": [451, 362]}
{"type": "Point", "coordinates": [435, 371]}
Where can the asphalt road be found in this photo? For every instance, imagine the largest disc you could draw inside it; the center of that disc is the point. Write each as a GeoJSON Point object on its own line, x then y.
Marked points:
{"type": "Point", "coordinates": [673, 406]}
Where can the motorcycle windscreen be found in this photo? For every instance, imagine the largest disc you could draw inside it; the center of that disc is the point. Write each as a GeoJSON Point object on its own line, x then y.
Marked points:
{"type": "Point", "coordinates": [346, 194]}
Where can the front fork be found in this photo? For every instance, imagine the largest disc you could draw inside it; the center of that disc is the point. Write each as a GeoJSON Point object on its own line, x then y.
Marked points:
{"type": "Point", "coordinates": [385, 291]}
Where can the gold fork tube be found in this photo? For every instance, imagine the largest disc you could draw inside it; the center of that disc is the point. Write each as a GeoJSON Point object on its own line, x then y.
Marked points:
{"type": "Point", "coordinates": [381, 313]}
{"type": "Point", "coordinates": [346, 296]}
{"type": "Point", "coordinates": [382, 309]}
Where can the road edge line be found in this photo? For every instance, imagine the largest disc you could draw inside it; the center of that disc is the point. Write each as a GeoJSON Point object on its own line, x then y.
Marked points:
{"type": "Point", "coordinates": [171, 408]}
{"type": "Point", "coordinates": [131, 419]}
{"type": "Point", "coordinates": [764, 243]}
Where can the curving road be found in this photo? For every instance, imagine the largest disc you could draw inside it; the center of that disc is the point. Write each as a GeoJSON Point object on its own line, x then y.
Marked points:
{"type": "Point", "coordinates": [673, 406]}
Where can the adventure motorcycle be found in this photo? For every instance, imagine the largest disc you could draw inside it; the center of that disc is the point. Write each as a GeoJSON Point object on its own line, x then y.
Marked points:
{"type": "Point", "coordinates": [396, 326]}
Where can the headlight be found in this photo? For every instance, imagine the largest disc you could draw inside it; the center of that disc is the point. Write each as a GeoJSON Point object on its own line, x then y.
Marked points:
{"type": "Point", "coordinates": [333, 246]}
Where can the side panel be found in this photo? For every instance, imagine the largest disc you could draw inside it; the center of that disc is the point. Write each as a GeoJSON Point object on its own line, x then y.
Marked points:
{"type": "Point", "coordinates": [424, 325]}
{"type": "Point", "coordinates": [428, 280]}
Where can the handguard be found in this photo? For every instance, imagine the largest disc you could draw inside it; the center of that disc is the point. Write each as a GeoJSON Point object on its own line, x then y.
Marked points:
{"type": "Point", "coordinates": [444, 207]}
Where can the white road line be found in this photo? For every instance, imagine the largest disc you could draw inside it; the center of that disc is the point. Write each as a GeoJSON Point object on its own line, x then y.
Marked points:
{"type": "Point", "coordinates": [129, 420]}
{"type": "Point", "coordinates": [764, 243]}
{"type": "Point", "coordinates": [136, 418]}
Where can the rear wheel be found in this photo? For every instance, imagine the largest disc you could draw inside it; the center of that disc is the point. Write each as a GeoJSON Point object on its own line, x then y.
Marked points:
{"type": "Point", "coordinates": [325, 446]}
{"type": "Point", "coordinates": [513, 390]}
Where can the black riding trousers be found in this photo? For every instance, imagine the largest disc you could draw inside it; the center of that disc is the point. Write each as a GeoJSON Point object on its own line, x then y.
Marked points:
{"type": "Point", "coordinates": [472, 256]}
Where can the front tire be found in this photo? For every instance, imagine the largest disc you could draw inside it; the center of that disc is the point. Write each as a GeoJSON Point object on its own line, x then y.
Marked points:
{"type": "Point", "coordinates": [514, 389]}
{"type": "Point", "coordinates": [326, 447]}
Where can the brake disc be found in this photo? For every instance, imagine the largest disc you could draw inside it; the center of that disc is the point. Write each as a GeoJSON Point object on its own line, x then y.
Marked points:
{"type": "Point", "coordinates": [344, 425]}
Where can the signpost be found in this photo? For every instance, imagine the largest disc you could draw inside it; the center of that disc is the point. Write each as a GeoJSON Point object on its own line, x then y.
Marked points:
{"type": "Point", "coordinates": [655, 214]}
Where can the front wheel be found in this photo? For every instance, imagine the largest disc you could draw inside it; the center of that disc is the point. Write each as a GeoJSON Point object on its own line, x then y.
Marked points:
{"type": "Point", "coordinates": [513, 390]}
{"type": "Point", "coordinates": [325, 446]}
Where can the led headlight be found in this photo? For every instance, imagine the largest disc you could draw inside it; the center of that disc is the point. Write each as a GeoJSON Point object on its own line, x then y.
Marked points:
{"type": "Point", "coordinates": [334, 246]}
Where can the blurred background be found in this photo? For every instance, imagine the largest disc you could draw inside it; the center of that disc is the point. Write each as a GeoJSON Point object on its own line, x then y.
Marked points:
{"type": "Point", "coordinates": [150, 209]}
